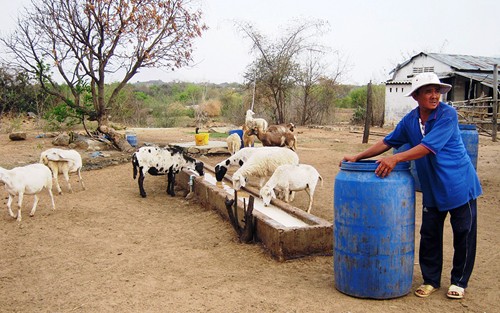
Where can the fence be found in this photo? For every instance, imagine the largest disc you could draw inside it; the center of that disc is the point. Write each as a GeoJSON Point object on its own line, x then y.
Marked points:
{"type": "Point", "coordinates": [478, 112]}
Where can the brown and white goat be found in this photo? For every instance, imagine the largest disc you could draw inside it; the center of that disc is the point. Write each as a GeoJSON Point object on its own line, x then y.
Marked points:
{"type": "Point", "coordinates": [277, 139]}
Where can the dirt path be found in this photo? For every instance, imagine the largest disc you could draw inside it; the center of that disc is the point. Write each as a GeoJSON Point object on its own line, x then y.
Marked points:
{"type": "Point", "coordinates": [107, 249]}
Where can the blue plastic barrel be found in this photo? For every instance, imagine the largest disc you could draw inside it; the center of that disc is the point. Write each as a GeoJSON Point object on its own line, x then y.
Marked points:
{"type": "Point", "coordinates": [131, 139]}
{"type": "Point", "coordinates": [413, 167]}
{"type": "Point", "coordinates": [240, 133]}
{"type": "Point", "coordinates": [374, 231]}
{"type": "Point", "coordinates": [470, 137]}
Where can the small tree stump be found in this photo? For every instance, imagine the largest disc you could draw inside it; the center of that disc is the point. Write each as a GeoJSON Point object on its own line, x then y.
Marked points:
{"type": "Point", "coordinates": [245, 234]}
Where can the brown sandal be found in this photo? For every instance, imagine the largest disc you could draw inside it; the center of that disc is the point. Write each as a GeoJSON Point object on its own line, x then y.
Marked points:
{"type": "Point", "coordinates": [424, 291]}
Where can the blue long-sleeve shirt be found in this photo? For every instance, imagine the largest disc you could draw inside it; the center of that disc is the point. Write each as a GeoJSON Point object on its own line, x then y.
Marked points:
{"type": "Point", "coordinates": [447, 176]}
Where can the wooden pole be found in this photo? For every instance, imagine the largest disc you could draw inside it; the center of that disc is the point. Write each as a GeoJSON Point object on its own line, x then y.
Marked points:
{"type": "Point", "coordinates": [495, 102]}
{"type": "Point", "coordinates": [253, 93]}
{"type": "Point", "coordinates": [368, 115]}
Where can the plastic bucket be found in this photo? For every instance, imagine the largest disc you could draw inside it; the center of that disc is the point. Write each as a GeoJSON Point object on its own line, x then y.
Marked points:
{"type": "Point", "coordinates": [240, 133]}
{"type": "Point", "coordinates": [470, 137]}
{"type": "Point", "coordinates": [374, 231]}
{"type": "Point", "coordinates": [201, 139]}
{"type": "Point", "coordinates": [413, 168]}
{"type": "Point", "coordinates": [131, 139]}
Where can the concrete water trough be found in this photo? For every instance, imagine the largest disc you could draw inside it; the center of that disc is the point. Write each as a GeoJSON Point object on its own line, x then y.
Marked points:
{"type": "Point", "coordinates": [286, 232]}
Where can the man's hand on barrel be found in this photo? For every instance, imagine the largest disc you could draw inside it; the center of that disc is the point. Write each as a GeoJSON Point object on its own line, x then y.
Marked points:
{"type": "Point", "coordinates": [385, 166]}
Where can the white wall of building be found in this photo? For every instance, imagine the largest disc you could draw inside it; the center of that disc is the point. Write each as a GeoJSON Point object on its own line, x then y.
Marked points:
{"type": "Point", "coordinates": [397, 105]}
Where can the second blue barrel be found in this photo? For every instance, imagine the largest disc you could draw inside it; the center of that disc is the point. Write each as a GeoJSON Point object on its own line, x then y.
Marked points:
{"type": "Point", "coordinates": [470, 137]}
{"type": "Point", "coordinates": [374, 231]}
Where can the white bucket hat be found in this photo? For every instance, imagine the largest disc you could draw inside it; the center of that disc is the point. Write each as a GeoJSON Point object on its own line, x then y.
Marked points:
{"type": "Point", "coordinates": [424, 79]}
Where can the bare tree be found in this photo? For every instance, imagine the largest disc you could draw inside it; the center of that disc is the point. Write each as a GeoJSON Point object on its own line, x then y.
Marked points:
{"type": "Point", "coordinates": [312, 71]}
{"type": "Point", "coordinates": [86, 40]}
{"type": "Point", "coordinates": [313, 80]}
{"type": "Point", "coordinates": [277, 66]}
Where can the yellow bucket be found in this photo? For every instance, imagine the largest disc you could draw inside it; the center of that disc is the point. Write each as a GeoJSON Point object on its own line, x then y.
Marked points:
{"type": "Point", "coordinates": [201, 139]}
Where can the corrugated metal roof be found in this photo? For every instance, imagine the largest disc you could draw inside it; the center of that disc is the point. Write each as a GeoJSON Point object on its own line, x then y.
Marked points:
{"type": "Point", "coordinates": [458, 62]}
{"type": "Point", "coordinates": [466, 62]}
{"type": "Point", "coordinates": [483, 78]}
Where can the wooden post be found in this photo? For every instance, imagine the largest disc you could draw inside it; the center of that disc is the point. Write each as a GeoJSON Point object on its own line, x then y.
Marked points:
{"type": "Point", "coordinates": [495, 102]}
{"type": "Point", "coordinates": [368, 114]}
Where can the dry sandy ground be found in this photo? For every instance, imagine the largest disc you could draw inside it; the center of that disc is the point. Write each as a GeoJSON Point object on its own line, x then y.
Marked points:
{"type": "Point", "coordinates": [106, 249]}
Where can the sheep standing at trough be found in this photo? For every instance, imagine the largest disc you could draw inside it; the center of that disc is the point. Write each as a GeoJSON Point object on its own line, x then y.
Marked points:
{"type": "Point", "coordinates": [65, 162]}
{"type": "Point", "coordinates": [233, 143]}
{"type": "Point", "coordinates": [26, 180]}
{"type": "Point", "coordinates": [276, 139]}
{"type": "Point", "coordinates": [262, 164]}
{"type": "Point", "coordinates": [239, 158]}
{"type": "Point", "coordinates": [161, 161]}
{"type": "Point", "coordinates": [289, 178]}
{"type": "Point", "coordinates": [252, 122]}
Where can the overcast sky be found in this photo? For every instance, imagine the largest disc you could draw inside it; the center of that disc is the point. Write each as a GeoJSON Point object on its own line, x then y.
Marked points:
{"type": "Point", "coordinates": [372, 36]}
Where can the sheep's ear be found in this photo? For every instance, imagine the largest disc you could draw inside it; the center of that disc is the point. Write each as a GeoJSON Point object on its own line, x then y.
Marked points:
{"type": "Point", "coordinates": [273, 195]}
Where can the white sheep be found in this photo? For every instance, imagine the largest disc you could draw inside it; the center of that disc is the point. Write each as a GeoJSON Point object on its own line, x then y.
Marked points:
{"type": "Point", "coordinates": [239, 158]}
{"type": "Point", "coordinates": [26, 180]}
{"type": "Point", "coordinates": [65, 162]}
{"type": "Point", "coordinates": [161, 161]}
{"type": "Point", "coordinates": [252, 122]}
{"type": "Point", "coordinates": [233, 143]}
{"type": "Point", "coordinates": [289, 178]}
{"type": "Point", "coordinates": [262, 164]}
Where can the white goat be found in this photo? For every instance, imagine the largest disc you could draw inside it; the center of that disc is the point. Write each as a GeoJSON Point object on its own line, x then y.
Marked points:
{"type": "Point", "coordinates": [252, 122]}
{"type": "Point", "coordinates": [289, 178]}
{"type": "Point", "coordinates": [233, 143]}
{"type": "Point", "coordinates": [26, 180]}
{"type": "Point", "coordinates": [262, 164]}
{"type": "Point", "coordinates": [65, 162]}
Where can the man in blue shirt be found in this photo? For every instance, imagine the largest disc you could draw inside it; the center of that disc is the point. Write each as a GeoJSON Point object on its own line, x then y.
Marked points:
{"type": "Point", "coordinates": [448, 180]}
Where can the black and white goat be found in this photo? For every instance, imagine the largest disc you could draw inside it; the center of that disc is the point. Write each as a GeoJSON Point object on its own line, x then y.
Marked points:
{"type": "Point", "coordinates": [161, 161]}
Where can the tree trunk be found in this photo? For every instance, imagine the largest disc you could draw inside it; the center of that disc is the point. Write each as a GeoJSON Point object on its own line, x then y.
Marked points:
{"type": "Point", "coordinates": [246, 233]}
{"type": "Point", "coordinates": [118, 140]}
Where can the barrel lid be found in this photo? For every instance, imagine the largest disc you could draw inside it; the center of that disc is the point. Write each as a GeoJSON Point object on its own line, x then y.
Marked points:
{"type": "Point", "coordinates": [371, 166]}
{"type": "Point", "coordinates": [467, 126]}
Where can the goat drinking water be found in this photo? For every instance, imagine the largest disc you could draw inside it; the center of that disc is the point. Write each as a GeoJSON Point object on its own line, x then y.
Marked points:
{"type": "Point", "coordinates": [161, 161]}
